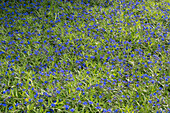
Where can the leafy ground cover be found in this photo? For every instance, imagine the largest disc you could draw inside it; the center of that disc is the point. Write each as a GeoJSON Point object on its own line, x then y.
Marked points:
{"type": "Point", "coordinates": [58, 56]}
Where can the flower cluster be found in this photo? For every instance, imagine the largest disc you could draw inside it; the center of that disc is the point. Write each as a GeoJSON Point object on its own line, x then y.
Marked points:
{"type": "Point", "coordinates": [58, 56]}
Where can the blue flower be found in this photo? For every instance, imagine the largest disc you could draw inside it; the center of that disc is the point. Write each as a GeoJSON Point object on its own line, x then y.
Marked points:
{"type": "Point", "coordinates": [40, 100]}
{"type": "Point", "coordinates": [150, 101]}
{"type": "Point", "coordinates": [4, 104]}
{"type": "Point", "coordinates": [109, 101]}
{"type": "Point", "coordinates": [100, 96]}
{"type": "Point", "coordinates": [137, 85]}
{"type": "Point", "coordinates": [109, 110]}
{"type": "Point", "coordinates": [53, 105]}
{"type": "Point", "coordinates": [79, 101]}
{"type": "Point", "coordinates": [10, 107]}
{"type": "Point", "coordinates": [88, 72]}
{"type": "Point", "coordinates": [98, 107]}
{"type": "Point", "coordinates": [85, 103]}
{"type": "Point", "coordinates": [78, 89]}
{"type": "Point", "coordinates": [90, 102]}
{"type": "Point", "coordinates": [51, 111]}
{"type": "Point", "coordinates": [72, 109]}
{"type": "Point", "coordinates": [17, 104]}
{"type": "Point", "coordinates": [132, 55]}
{"type": "Point", "coordinates": [66, 107]}
{"type": "Point", "coordinates": [104, 110]}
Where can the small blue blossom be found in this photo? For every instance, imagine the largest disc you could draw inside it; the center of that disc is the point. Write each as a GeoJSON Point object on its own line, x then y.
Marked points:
{"type": "Point", "coordinates": [53, 105]}
{"type": "Point", "coordinates": [85, 103]}
{"type": "Point", "coordinates": [40, 100]}
{"type": "Point", "coordinates": [66, 107]}
{"type": "Point", "coordinates": [72, 109]}
{"type": "Point", "coordinates": [10, 107]}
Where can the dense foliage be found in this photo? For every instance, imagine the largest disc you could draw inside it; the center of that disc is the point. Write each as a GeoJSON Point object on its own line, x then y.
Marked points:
{"type": "Point", "coordinates": [58, 56]}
